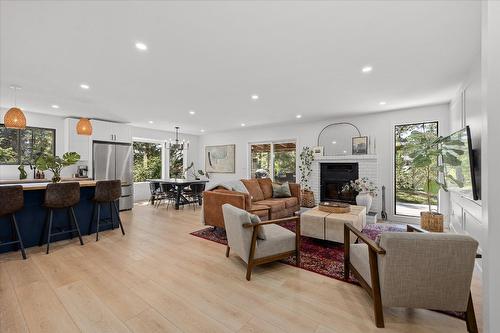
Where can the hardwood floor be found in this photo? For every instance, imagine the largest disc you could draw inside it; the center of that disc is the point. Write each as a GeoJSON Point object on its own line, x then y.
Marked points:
{"type": "Point", "coordinates": [158, 278]}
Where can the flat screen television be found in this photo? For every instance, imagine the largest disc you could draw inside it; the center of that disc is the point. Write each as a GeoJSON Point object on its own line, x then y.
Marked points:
{"type": "Point", "coordinates": [458, 161]}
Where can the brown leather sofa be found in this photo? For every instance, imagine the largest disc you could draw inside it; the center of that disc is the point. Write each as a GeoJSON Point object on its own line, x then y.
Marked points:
{"type": "Point", "coordinates": [259, 200]}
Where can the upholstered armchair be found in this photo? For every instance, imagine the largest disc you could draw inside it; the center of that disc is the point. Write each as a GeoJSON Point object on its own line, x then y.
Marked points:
{"type": "Point", "coordinates": [414, 270]}
{"type": "Point", "coordinates": [259, 242]}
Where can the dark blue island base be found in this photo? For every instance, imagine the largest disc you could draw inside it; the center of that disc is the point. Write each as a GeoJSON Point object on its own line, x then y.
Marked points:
{"type": "Point", "coordinates": [32, 217]}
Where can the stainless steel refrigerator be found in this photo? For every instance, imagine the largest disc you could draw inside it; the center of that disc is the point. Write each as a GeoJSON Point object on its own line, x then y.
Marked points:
{"type": "Point", "coordinates": [114, 161]}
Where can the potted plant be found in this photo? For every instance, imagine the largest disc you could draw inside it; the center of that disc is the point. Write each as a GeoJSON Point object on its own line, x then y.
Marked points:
{"type": "Point", "coordinates": [56, 163]}
{"type": "Point", "coordinates": [366, 189]}
{"type": "Point", "coordinates": [305, 167]}
{"type": "Point", "coordinates": [196, 174]}
{"type": "Point", "coordinates": [424, 151]}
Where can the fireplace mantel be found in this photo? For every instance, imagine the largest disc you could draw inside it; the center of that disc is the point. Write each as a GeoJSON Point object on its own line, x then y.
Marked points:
{"type": "Point", "coordinates": [344, 158]}
{"type": "Point", "coordinates": [368, 167]}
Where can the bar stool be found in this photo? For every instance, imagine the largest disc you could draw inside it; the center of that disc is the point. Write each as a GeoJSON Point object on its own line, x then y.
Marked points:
{"type": "Point", "coordinates": [107, 191]}
{"type": "Point", "coordinates": [62, 196]}
{"type": "Point", "coordinates": [12, 201]}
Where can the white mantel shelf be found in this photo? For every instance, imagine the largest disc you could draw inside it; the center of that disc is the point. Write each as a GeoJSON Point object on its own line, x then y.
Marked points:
{"type": "Point", "coordinates": [345, 157]}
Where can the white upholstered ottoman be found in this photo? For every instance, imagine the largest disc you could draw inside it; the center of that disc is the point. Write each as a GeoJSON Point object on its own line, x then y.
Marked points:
{"type": "Point", "coordinates": [330, 226]}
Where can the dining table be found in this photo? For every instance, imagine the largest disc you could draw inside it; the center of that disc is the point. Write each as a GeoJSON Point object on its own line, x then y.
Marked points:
{"type": "Point", "coordinates": [179, 184]}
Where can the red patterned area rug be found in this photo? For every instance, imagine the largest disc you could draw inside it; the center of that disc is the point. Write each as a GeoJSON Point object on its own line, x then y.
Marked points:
{"type": "Point", "coordinates": [319, 256]}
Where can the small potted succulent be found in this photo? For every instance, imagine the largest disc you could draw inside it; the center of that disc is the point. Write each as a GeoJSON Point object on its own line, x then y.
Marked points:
{"type": "Point", "coordinates": [56, 163]}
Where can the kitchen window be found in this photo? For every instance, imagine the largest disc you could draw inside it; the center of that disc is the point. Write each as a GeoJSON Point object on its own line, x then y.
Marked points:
{"type": "Point", "coordinates": [26, 145]}
{"type": "Point", "coordinates": [147, 161]}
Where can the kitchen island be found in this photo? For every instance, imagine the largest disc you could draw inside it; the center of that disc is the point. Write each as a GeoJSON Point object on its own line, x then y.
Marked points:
{"type": "Point", "coordinates": [32, 217]}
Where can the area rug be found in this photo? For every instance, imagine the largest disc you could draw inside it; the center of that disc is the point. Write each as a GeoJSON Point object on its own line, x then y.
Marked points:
{"type": "Point", "coordinates": [319, 256]}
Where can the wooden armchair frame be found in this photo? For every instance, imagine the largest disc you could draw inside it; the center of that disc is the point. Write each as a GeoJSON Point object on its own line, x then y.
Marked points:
{"type": "Point", "coordinates": [252, 262]}
{"type": "Point", "coordinates": [373, 251]}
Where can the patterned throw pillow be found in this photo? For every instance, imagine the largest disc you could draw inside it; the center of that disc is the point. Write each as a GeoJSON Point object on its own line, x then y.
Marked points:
{"type": "Point", "coordinates": [261, 234]}
{"type": "Point", "coordinates": [281, 190]}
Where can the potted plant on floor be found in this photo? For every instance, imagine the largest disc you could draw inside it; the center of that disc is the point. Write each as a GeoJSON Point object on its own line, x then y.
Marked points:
{"type": "Point", "coordinates": [424, 151]}
{"type": "Point", "coordinates": [56, 163]}
{"type": "Point", "coordinates": [305, 167]}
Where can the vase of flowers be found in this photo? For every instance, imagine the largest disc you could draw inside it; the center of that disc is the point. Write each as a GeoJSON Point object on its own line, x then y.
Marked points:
{"type": "Point", "coordinates": [366, 189]}
{"type": "Point", "coordinates": [56, 164]}
{"type": "Point", "coordinates": [305, 167]}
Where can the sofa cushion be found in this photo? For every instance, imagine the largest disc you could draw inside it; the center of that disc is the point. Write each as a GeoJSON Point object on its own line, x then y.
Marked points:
{"type": "Point", "coordinates": [253, 188]}
{"type": "Point", "coordinates": [266, 185]}
{"type": "Point", "coordinates": [276, 205]}
{"type": "Point", "coordinates": [289, 202]}
{"type": "Point", "coordinates": [281, 190]}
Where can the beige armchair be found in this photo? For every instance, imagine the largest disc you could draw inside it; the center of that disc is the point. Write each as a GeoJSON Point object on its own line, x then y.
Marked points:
{"type": "Point", "coordinates": [414, 270]}
{"type": "Point", "coordinates": [259, 242]}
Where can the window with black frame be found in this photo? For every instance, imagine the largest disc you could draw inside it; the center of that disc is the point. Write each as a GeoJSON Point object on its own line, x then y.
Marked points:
{"type": "Point", "coordinates": [26, 145]}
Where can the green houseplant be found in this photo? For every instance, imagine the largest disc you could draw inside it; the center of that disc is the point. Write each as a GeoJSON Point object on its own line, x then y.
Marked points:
{"type": "Point", "coordinates": [425, 151]}
{"type": "Point", "coordinates": [56, 163]}
{"type": "Point", "coordinates": [305, 168]}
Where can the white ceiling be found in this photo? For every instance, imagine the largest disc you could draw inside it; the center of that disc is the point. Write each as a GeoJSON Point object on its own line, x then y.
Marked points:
{"type": "Point", "coordinates": [299, 57]}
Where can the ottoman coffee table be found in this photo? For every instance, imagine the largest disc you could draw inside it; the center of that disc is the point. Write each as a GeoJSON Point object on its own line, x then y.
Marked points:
{"type": "Point", "coordinates": [330, 226]}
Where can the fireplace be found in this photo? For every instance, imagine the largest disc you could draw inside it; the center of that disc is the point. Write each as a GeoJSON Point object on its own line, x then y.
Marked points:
{"type": "Point", "coordinates": [334, 177]}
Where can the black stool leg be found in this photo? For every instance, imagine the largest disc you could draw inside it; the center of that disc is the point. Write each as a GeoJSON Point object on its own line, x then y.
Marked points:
{"type": "Point", "coordinates": [20, 240]}
{"type": "Point", "coordinates": [97, 223]}
{"type": "Point", "coordinates": [49, 231]}
{"type": "Point", "coordinates": [76, 224]}
{"type": "Point", "coordinates": [43, 235]}
{"type": "Point", "coordinates": [112, 216]}
{"type": "Point", "coordinates": [70, 227]}
{"type": "Point", "coordinates": [119, 219]}
{"type": "Point", "coordinates": [94, 211]}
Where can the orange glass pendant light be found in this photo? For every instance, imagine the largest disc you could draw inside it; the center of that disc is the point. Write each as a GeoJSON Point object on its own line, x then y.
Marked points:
{"type": "Point", "coordinates": [14, 118]}
{"type": "Point", "coordinates": [84, 127]}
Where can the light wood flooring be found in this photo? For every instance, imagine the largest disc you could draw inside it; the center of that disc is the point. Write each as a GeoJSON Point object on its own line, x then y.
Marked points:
{"type": "Point", "coordinates": [158, 278]}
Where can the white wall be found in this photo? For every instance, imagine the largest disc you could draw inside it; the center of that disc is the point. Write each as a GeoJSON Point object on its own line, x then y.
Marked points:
{"type": "Point", "coordinates": [490, 72]}
{"type": "Point", "coordinates": [38, 120]}
{"type": "Point", "coordinates": [378, 125]}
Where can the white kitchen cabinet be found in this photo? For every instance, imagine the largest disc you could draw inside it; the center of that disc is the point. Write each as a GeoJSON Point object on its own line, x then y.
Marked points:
{"type": "Point", "coordinates": [75, 142]}
{"type": "Point", "coordinates": [109, 131]}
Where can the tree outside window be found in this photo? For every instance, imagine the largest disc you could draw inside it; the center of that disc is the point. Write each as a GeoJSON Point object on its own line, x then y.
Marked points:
{"type": "Point", "coordinates": [147, 161]}
{"type": "Point", "coordinates": [176, 159]}
{"type": "Point", "coordinates": [26, 145]}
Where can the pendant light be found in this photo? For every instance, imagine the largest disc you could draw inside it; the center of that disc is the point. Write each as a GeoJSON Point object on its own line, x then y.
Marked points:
{"type": "Point", "coordinates": [14, 118]}
{"type": "Point", "coordinates": [84, 127]}
{"type": "Point", "coordinates": [178, 144]}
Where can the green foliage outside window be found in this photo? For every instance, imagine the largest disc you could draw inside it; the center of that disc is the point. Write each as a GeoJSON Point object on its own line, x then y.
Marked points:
{"type": "Point", "coordinates": [176, 158]}
{"type": "Point", "coordinates": [147, 161]}
{"type": "Point", "coordinates": [27, 145]}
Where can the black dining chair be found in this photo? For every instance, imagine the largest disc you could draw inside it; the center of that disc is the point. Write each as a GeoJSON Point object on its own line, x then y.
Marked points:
{"type": "Point", "coordinates": [168, 194]}
{"type": "Point", "coordinates": [194, 196]}
{"type": "Point", "coordinates": [155, 192]}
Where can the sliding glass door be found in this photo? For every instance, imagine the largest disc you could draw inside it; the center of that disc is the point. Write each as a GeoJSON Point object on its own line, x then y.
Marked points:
{"type": "Point", "coordinates": [275, 160]}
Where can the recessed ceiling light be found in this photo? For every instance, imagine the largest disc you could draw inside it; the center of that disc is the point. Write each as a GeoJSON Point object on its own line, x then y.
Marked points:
{"type": "Point", "coordinates": [345, 151]}
{"type": "Point", "coordinates": [151, 122]}
{"type": "Point", "coordinates": [141, 46]}
{"type": "Point", "coordinates": [334, 142]}
{"type": "Point", "coordinates": [202, 130]}
{"type": "Point", "coordinates": [55, 106]}
{"type": "Point", "coordinates": [243, 124]}
{"type": "Point", "coordinates": [382, 103]}
{"type": "Point", "coordinates": [255, 97]}
{"type": "Point", "coordinates": [298, 116]}
{"type": "Point", "coordinates": [84, 86]}
{"type": "Point", "coordinates": [367, 69]}
{"type": "Point", "coordinates": [191, 112]}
